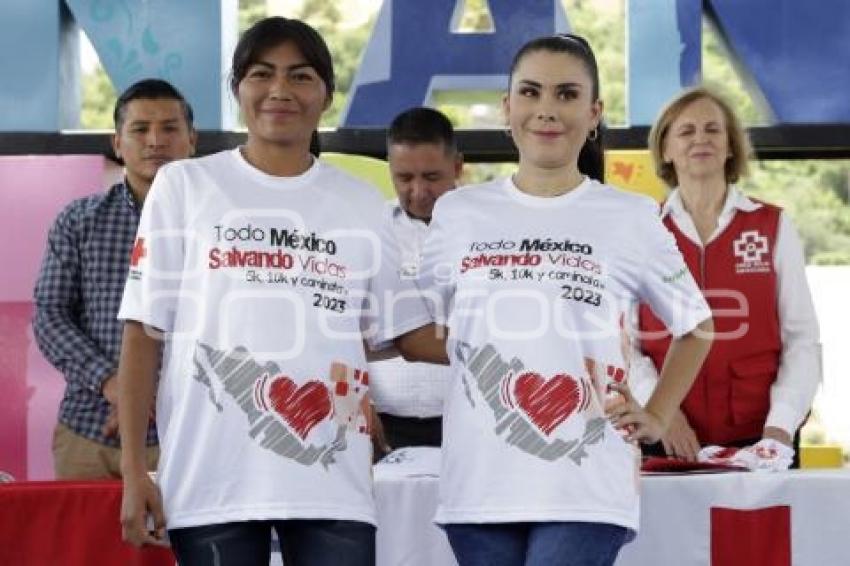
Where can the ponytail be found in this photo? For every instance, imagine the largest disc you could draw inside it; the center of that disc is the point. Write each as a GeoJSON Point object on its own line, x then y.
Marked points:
{"type": "Point", "coordinates": [591, 158]}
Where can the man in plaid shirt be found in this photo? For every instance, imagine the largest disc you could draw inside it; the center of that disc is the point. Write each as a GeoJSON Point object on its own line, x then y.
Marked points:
{"type": "Point", "coordinates": [79, 288]}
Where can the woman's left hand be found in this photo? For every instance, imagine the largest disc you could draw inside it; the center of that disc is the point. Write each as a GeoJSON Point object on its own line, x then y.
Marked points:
{"type": "Point", "coordinates": [629, 415]}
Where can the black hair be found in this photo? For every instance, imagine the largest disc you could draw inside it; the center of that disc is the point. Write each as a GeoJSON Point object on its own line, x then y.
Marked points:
{"type": "Point", "coordinates": [271, 32]}
{"type": "Point", "coordinates": [150, 89]}
{"type": "Point", "coordinates": [422, 125]}
{"type": "Point", "coordinates": [591, 158]}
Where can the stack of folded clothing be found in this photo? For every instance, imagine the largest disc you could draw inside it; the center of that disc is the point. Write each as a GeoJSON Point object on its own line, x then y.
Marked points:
{"type": "Point", "coordinates": [767, 455]}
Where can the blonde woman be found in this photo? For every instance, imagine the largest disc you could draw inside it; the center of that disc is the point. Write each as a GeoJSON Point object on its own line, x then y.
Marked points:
{"type": "Point", "coordinates": [760, 377]}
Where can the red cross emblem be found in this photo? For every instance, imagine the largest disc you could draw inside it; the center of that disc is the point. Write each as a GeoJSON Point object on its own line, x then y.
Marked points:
{"type": "Point", "coordinates": [751, 246]}
{"type": "Point", "coordinates": [753, 536]}
{"type": "Point", "coordinates": [139, 251]}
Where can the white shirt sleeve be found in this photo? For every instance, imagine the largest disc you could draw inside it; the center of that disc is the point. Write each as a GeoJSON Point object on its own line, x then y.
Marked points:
{"type": "Point", "coordinates": [667, 284]}
{"type": "Point", "coordinates": [643, 377]}
{"type": "Point", "coordinates": [799, 369]}
{"type": "Point", "coordinates": [393, 305]}
{"type": "Point", "coordinates": [437, 272]}
{"type": "Point", "coordinates": [153, 284]}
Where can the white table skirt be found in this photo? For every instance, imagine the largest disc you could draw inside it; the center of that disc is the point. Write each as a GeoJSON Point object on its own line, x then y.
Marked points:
{"type": "Point", "coordinates": [675, 513]}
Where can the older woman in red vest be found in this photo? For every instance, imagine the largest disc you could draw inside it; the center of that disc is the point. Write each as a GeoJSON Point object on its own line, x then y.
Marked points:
{"type": "Point", "coordinates": [761, 374]}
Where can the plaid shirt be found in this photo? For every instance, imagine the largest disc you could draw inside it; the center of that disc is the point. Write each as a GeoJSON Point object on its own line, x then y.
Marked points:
{"type": "Point", "coordinates": [77, 296]}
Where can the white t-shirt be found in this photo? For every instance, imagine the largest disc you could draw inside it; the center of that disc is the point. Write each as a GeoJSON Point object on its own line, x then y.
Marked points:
{"type": "Point", "coordinates": [400, 388]}
{"type": "Point", "coordinates": [533, 291]}
{"type": "Point", "coordinates": [266, 286]}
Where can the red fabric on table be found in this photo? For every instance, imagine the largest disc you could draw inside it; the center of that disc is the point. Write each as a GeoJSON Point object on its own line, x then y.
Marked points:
{"type": "Point", "coordinates": [659, 465]}
{"type": "Point", "coordinates": [60, 523]}
{"type": "Point", "coordinates": [745, 537]}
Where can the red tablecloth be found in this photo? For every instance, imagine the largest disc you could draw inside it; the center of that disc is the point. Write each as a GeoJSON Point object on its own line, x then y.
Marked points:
{"type": "Point", "coordinates": [59, 523]}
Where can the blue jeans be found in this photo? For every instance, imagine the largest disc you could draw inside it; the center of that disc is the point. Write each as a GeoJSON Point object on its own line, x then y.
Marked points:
{"type": "Point", "coordinates": [536, 544]}
{"type": "Point", "coordinates": [302, 543]}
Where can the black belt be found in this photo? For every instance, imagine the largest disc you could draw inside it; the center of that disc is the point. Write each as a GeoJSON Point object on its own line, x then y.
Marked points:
{"type": "Point", "coordinates": [412, 431]}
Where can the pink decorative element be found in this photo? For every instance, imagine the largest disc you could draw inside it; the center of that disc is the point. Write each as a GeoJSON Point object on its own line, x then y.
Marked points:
{"type": "Point", "coordinates": [33, 189]}
{"type": "Point", "coordinates": [32, 192]}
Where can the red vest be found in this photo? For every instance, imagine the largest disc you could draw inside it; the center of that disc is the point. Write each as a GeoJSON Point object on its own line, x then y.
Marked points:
{"type": "Point", "coordinates": [730, 398]}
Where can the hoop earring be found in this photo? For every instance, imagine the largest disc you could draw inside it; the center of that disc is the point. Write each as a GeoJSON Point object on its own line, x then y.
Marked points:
{"type": "Point", "coordinates": [593, 135]}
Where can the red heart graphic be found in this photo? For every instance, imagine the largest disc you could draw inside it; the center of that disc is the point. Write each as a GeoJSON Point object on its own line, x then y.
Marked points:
{"type": "Point", "coordinates": [301, 407]}
{"type": "Point", "coordinates": [547, 403]}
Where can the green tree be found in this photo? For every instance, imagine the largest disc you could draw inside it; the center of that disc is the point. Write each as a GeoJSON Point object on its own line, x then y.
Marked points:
{"type": "Point", "coordinates": [822, 219]}
{"type": "Point", "coordinates": [345, 44]}
{"type": "Point", "coordinates": [250, 12]}
{"type": "Point", "coordinates": [98, 101]}
{"type": "Point", "coordinates": [605, 30]}
{"type": "Point", "coordinates": [476, 16]}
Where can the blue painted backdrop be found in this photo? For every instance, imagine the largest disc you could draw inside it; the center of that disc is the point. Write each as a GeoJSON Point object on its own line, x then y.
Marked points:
{"type": "Point", "coordinates": [795, 53]}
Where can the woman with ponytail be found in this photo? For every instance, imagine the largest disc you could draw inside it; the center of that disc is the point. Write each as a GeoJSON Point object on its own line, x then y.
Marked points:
{"type": "Point", "coordinates": [529, 277]}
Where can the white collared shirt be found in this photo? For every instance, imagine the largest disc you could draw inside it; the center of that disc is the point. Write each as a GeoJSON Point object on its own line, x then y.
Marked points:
{"type": "Point", "coordinates": [410, 233]}
{"type": "Point", "coordinates": [799, 372]}
{"type": "Point", "coordinates": [397, 387]}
